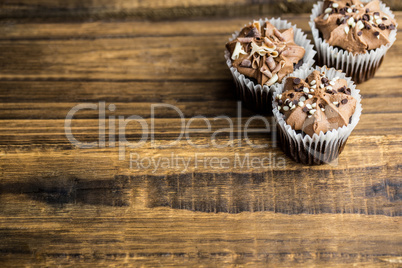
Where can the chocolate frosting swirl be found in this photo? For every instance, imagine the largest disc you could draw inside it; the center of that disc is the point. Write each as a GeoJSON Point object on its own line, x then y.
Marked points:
{"type": "Point", "coordinates": [265, 53]}
{"type": "Point", "coordinates": [316, 104]}
{"type": "Point", "coordinates": [354, 26]}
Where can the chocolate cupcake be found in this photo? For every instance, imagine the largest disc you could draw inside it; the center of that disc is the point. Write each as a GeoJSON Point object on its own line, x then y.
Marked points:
{"type": "Point", "coordinates": [261, 55]}
{"type": "Point", "coordinates": [353, 35]}
{"type": "Point", "coordinates": [316, 110]}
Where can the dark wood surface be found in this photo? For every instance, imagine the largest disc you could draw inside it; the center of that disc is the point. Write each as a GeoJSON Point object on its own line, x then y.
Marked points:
{"type": "Point", "coordinates": [158, 10]}
{"type": "Point", "coordinates": [61, 205]}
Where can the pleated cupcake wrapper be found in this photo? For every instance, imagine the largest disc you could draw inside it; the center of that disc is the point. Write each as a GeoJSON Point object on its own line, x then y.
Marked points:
{"type": "Point", "coordinates": [320, 148]}
{"type": "Point", "coordinates": [257, 97]}
{"type": "Point", "coordinates": [360, 67]}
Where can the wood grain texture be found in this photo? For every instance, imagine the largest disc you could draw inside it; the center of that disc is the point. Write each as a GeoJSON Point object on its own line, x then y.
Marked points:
{"type": "Point", "coordinates": [153, 10]}
{"type": "Point", "coordinates": [65, 206]}
{"type": "Point", "coordinates": [129, 54]}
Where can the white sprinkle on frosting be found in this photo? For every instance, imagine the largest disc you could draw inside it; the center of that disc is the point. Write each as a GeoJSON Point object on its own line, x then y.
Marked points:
{"type": "Point", "coordinates": [310, 96]}
{"type": "Point", "coordinates": [306, 90]}
{"type": "Point", "coordinates": [285, 108]}
{"type": "Point", "coordinates": [335, 103]}
{"type": "Point", "coordinates": [313, 82]}
{"type": "Point", "coordinates": [328, 10]}
{"type": "Point", "coordinates": [346, 29]}
{"type": "Point", "coordinates": [301, 104]}
{"type": "Point", "coordinates": [360, 24]}
{"type": "Point", "coordinates": [302, 98]}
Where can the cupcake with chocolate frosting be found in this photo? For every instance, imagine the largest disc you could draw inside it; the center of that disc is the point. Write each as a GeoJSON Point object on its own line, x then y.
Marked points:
{"type": "Point", "coordinates": [261, 55]}
{"type": "Point", "coordinates": [353, 35]}
{"type": "Point", "coordinates": [316, 110]}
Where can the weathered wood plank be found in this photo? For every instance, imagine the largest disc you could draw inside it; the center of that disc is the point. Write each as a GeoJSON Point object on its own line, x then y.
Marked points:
{"type": "Point", "coordinates": [363, 184]}
{"type": "Point", "coordinates": [155, 10]}
{"type": "Point", "coordinates": [249, 239]}
{"type": "Point", "coordinates": [187, 108]}
{"type": "Point", "coordinates": [361, 151]}
{"type": "Point", "coordinates": [153, 91]}
{"type": "Point", "coordinates": [177, 57]}
{"type": "Point", "coordinates": [52, 132]}
{"type": "Point", "coordinates": [133, 29]}
{"type": "Point", "coordinates": [129, 59]}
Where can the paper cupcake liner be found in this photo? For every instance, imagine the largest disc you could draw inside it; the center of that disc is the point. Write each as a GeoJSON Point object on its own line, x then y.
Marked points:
{"type": "Point", "coordinates": [360, 67]}
{"type": "Point", "coordinates": [320, 148]}
{"type": "Point", "coordinates": [257, 97]}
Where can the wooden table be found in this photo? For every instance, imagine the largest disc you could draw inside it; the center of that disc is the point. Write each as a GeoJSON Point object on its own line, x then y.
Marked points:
{"type": "Point", "coordinates": [62, 205]}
